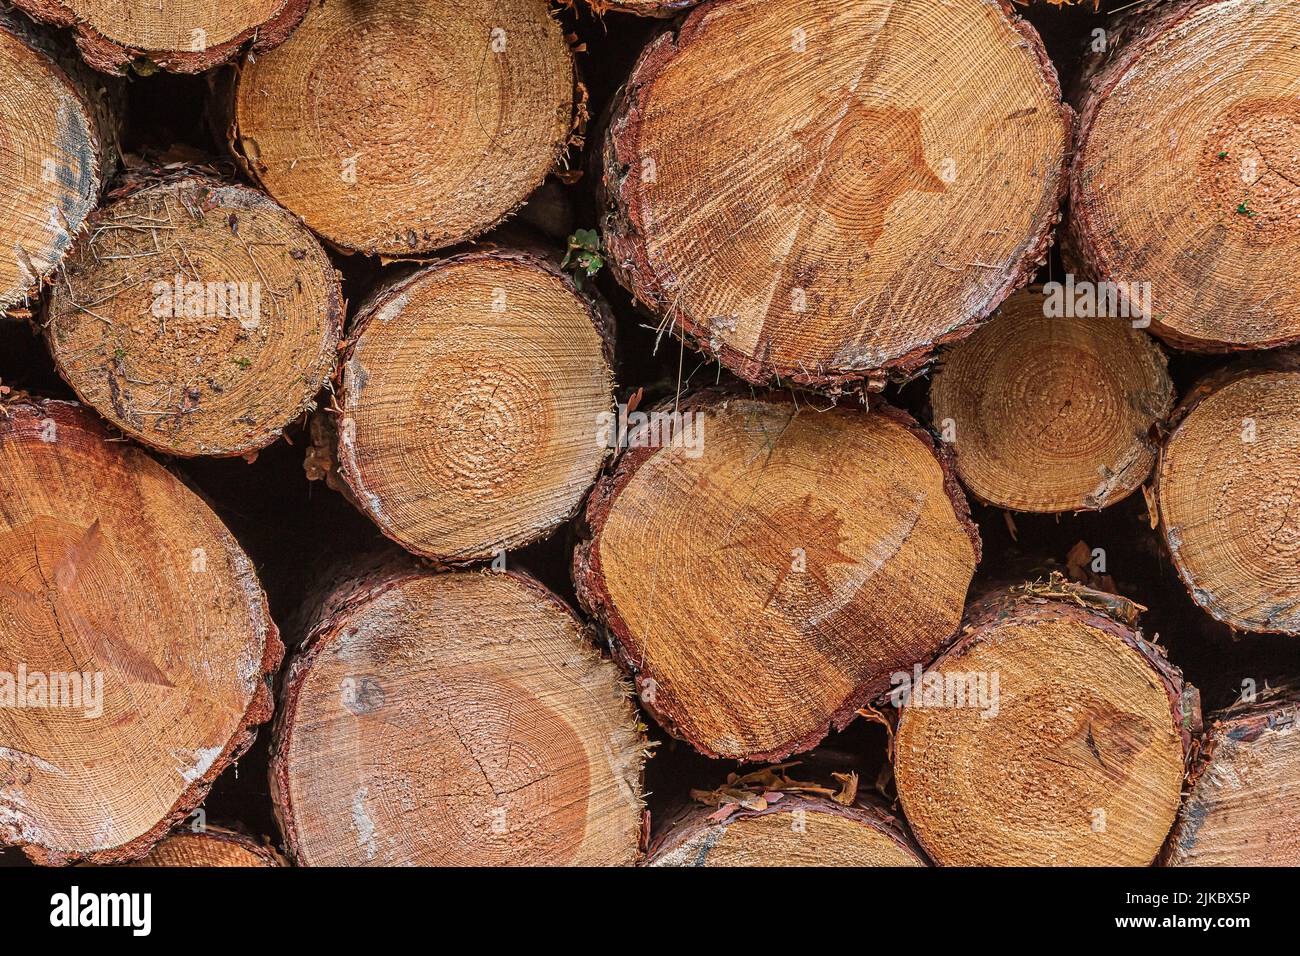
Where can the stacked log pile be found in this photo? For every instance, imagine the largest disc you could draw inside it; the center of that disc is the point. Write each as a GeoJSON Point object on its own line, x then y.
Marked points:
{"type": "Point", "coordinates": [674, 439]}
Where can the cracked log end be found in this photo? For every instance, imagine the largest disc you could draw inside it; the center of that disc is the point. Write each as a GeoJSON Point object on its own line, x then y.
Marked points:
{"type": "Point", "coordinates": [200, 318]}
{"type": "Point", "coordinates": [182, 36]}
{"type": "Point", "coordinates": [1227, 489]}
{"type": "Point", "coordinates": [1187, 173]}
{"type": "Point", "coordinates": [1240, 810]}
{"type": "Point", "coordinates": [462, 718]}
{"type": "Point", "coordinates": [1074, 757]}
{"type": "Point", "coordinates": [824, 214]}
{"type": "Point", "coordinates": [57, 149]}
{"type": "Point", "coordinates": [796, 831]}
{"type": "Point", "coordinates": [135, 637]}
{"type": "Point", "coordinates": [213, 846]}
{"type": "Point", "coordinates": [471, 404]}
{"type": "Point", "coordinates": [1051, 414]}
{"type": "Point", "coordinates": [427, 121]}
{"type": "Point", "coordinates": [763, 573]}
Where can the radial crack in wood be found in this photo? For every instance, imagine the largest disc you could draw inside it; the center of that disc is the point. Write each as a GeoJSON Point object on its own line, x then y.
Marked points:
{"type": "Point", "coordinates": [789, 185]}
{"type": "Point", "coordinates": [762, 567]}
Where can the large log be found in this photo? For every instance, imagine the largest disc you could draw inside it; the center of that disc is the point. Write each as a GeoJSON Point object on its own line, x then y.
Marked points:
{"type": "Point", "coordinates": [184, 36]}
{"type": "Point", "coordinates": [1051, 733]}
{"type": "Point", "coordinates": [58, 149]}
{"type": "Point", "coordinates": [761, 567]}
{"type": "Point", "coordinates": [197, 316]}
{"type": "Point", "coordinates": [828, 212]}
{"type": "Point", "coordinates": [402, 126]}
{"type": "Point", "coordinates": [470, 406]}
{"type": "Point", "coordinates": [1226, 488]}
{"type": "Point", "coordinates": [134, 637]}
{"type": "Point", "coordinates": [1051, 413]}
{"type": "Point", "coordinates": [1187, 172]}
{"type": "Point", "coordinates": [1241, 809]}
{"type": "Point", "coordinates": [461, 718]}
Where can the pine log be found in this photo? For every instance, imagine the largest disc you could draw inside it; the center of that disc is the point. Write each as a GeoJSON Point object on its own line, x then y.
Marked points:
{"type": "Point", "coordinates": [183, 36]}
{"type": "Point", "coordinates": [1074, 757]}
{"type": "Point", "coordinates": [470, 404]}
{"type": "Point", "coordinates": [403, 126]}
{"type": "Point", "coordinates": [212, 846]}
{"type": "Point", "coordinates": [761, 583]}
{"type": "Point", "coordinates": [197, 316]}
{"type": "Point", "coordinates": [461, 718]}
{"type": "Point", "coordinates": [827, 212]}
{"type": "Point", "coordinates": [1187, 172]}
{"type": "Point", "coordinates": [797, 830]}
{"type": "Point", "coordinates": [58, 148]}
{"type": "Point", "coordinates": [1226, 485]}
{"type": "Point", "coordinates": [642, 8]}
{"type": "Point", "coordinates": [114, 568]}
{"type": "Point", "coordinates": [1241, 808]}
{"type": "Point", "coordinates": [1051, 414]}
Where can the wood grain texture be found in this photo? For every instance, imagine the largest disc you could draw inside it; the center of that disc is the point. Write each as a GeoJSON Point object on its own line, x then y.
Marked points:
{"type": "Point", "coordinates": [213, 846]}
{"type": "Point", "coordinates": [1079, 763]}
{"type": "Point", "coordinates": [58, 149]}
{"type": "Point", "coordinates": [470, 404]}
{"type": "Point", "coordinates": [196, 315]}
{"type": "Point", "coordinates": [1240, 809]}
{"type": "Point", "coordinates": [113, 567]}
{"type": "Point", "coordinates": [1226, 488]}
{"type": "Point", "coordinates": [1187, 171]}
{"type": "Point", "coordinates": [1051, 414]}
{"type": "Point", "coordinates": [826, 213]}
{"type": "Point", "coordinates": [763, 590]}
{"type": "Point", "coordinates": [403, 126]}
{"type": "Point", "coordinates": [182, 36]}
{"type": "Point", "coordinates": [796, 831]}
{"type": "Point", "coordinates": [461, 718]}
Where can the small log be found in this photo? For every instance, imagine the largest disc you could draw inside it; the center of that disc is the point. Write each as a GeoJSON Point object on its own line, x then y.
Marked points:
{"type": "Point", "coordinates": [403, 126]}
{"type": "Point", "coordinates": [197, 316]}
{"type": "Point", "coordinates": [797, 830]}
{"type": "Point", "coordinates": [761, 566]}
{"type": "Point", "coordinates": [1240, 809]}
{"type": "Point", "coordinates": [182, 36]}
{"type": "Point", "coordinates": [471, 403]}
{"type": "Point", "coordinates": [212, 846]}
{"type": "Point", "coordinates": [1225, 488]}
{"type": "Point", "coordinates": [1051, 414]}
{"type": "Point", "coordinates": [125, 599]}
{"type": "Point", "coordinates": [1074, 757]}
{"type": "Point", "coordinates": [58, 148]}
{"type": "Point", "coordinates": [828, 213]}
{"type": "Point", "coordinates": [1208, 87]}
{"type": "Point", "coordinates": [461, 718]}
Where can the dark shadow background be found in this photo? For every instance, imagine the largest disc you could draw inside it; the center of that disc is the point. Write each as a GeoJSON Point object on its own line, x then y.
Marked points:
{"type": "Point", "coordinates": [286, 522]}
